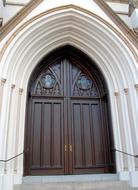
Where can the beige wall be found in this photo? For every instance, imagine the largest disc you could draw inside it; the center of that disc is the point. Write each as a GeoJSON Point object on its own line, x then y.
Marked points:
{"type": "Point", "coordinates": [9, 11]}
{"type": "Point", "coordinates": [1, 7]}
{"type": "Point", "coordinates": [17, 1]}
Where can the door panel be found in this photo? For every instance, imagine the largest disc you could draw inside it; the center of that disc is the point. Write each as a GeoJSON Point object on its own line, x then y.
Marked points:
{"type": "Point", "coordinates": [97, 134]}
{"type": "Point", "coordinates": [88, 137]}
{"type": "Point", "coordinates": [48, 137]}
{"type": "Point", "coordinates": [36, 137]}
{"type": "Point", "coordinates": [77, 129]}
{"type": "Point", "coordinates": [47, 134]}
{"type": "Point", "coordinates": [88, 147]}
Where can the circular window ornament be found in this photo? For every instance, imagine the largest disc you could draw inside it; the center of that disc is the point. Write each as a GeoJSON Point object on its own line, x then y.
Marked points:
{"type": "Point", "coordinates": [84, 83]}
{"type": "Point", "coordinates": [48, 81]}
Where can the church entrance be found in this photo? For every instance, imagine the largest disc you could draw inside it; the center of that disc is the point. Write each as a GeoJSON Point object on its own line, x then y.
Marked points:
{"type": "Point", "coordinates": [67, 124]}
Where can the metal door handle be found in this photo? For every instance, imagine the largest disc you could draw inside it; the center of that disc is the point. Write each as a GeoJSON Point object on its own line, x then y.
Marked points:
{"type": "Point", "coordinates": [70, 148]}
{"type": "Point", "coordinates": [65, 148]}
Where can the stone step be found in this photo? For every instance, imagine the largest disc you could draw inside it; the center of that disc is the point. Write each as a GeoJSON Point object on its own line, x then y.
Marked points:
{"type": "Point", "coordinates": [74, 182]}
{"type": "Point", "coordinates": [95, 185]}
{"type": "Point", "coordinates": [70, 178]}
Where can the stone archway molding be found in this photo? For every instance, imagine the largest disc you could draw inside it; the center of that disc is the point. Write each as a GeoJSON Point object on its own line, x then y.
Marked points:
{"type": "Point", "coordinates": [100, 43]}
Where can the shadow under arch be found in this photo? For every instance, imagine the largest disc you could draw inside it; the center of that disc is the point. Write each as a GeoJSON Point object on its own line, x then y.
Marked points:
{"type": "Point", "coordinates": [79, 82]}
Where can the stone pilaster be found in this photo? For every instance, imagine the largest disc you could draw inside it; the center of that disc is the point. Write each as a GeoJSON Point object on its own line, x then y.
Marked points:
{"type": "Point", "coordinates": [17, 128]}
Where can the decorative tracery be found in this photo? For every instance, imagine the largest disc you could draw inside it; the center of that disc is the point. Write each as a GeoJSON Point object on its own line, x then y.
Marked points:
{"type": "Point", "coordinates": [84, 86]}
{"type": "Point", "coordinates": [48, 84]}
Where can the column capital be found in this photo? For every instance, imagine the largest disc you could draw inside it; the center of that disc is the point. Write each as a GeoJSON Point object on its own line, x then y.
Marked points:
{"type": "Point", "coordinates": [20, 91]}
{"type": "Point", "coordinates": [3, 80]}
{"type": "Point", "coordinates": [116, 93]}
{"type": "Point", "coordinates": [136, 86]}
{"type": "Point", "coordinates": [13, 86]}
{"type": "Point", "coordinates": [126, 90]}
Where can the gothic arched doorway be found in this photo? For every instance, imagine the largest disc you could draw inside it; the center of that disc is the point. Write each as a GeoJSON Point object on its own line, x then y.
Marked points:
{"type": "Point", "coordinates": [68, 130]}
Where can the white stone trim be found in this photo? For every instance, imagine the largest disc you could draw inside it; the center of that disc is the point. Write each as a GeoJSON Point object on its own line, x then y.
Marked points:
{"type": "Point", "coordinates": [120, 157]}
{"type": "Point", "coordinates": [1, 92]}
{"type": "Point", "coordinates": [7, 166]}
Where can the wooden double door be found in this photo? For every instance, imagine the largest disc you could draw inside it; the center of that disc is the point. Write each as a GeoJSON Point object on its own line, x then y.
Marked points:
{"type": "Point", "coordinates": [68, 128]}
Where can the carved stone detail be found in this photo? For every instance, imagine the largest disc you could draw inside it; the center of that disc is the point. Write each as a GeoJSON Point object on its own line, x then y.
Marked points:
{"type": "Point", "coordinates": [20, 91]}
{"type": "Point", "coordinates": [13, 86]}
{"type": "Point", "coordinates": [3, 80]}
{"type": "Point", "coordinates": [136, 86]}
{"type": "Point", "coordinates": [116, 93]}
{"type": "Point", "coordinates": [126, 90]}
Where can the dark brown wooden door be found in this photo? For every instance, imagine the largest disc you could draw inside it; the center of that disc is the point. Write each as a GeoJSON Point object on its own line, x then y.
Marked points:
{"type": "Point", "coordinates": [67, 127]}
{"type": "Point", "coordinates": [87, 137]}
{"type": "Point", "coordinates": [47, 142]}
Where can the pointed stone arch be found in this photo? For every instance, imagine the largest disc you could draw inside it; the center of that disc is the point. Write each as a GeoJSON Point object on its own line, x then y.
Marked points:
{"type": "Point", "coordinates": [98, 41]}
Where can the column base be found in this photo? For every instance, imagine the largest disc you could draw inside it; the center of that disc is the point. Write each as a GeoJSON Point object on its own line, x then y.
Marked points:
{"type": "Point", "coordinates": [133, 179]}
{"type": "Point", "coordinates": [124, 176]}
{"type": "Point", "coordinates": [8, 181]}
